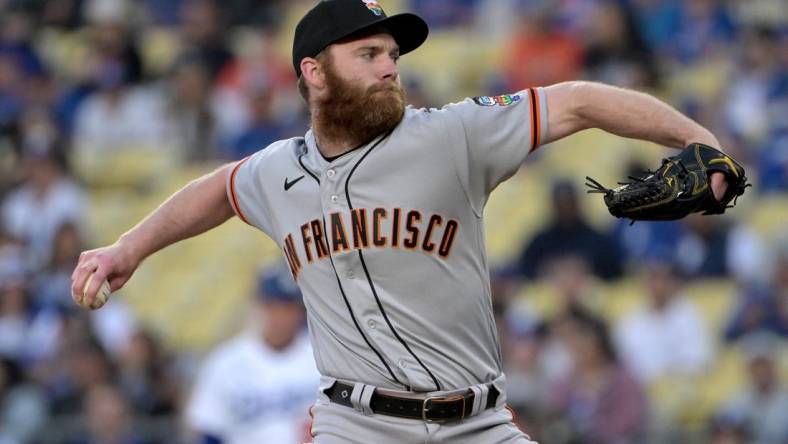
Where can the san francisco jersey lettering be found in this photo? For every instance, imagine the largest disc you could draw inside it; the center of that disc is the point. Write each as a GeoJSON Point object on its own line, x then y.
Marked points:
{"type": "Point", "coordinates": [436, 238]}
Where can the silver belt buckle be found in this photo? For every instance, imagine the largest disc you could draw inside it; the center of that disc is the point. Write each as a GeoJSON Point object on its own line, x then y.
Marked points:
{"type": "Point", "coordinates": [425, 407]}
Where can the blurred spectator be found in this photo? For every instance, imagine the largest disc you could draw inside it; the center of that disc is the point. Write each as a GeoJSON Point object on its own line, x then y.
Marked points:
{"type": "Point", "coordinates": [36, 131]}
{"type": "Point", "coordinates": [52, 331]}
{"type": "Point", "coordinates": [44, 339]}
{"type": "Point", "coordinates": [644, 240]}
{"type": "Point", "coordinates": [254, 12]}
{"type": "Point", "coordinates": [203, 32]}
{"type": "Point", "coordinates": [263, 128]}
{"type": "Point", "coordinates": [763, 402]}
{"type": "Point", "coordinates": [112, 59]}
{"type": "Point", "coordinates": [758, 88]}
{"type": "Point", "coordinates": [570, 276]}
{"type": "Point", "coordinates": [496, 19]}
{"type": "Point", "coordinates": [21, 69]}
{"type": "Point", "coordinates": [23, 407]}
{"type": "Point", "coordinates": [763, 307]}
{"type": "Point", "coordinates": [15, 317]}
{"type": "Point", "coordinates": [773, 163]}
{"type": "Point", "coordinates": [11, 93]}
{"type": "Point", "coordinates": [12, 259]}
{"type": "Point", "coordinates": [536, 361]}
{"type": "Point", "coordinates": [63, 14]}
{"type": "Point", "coordinates": [163, 12]}
{"type": "Point", "coordinates": [614, 50]}
{"type": "Point", "coordinates": [667, 337]}
{"type": "Point", "coordinates": [538, 53]}
{"type": "Point", "coordinates": [111, 37]}
{"type": "Point", "coordinates": [254, 92]}
{"type": "Point", "coordinates": [258, 387]}
{"type": "Point", "coordinates": [774, 154]}
{"type": "Point", "coordinates": [706, 30]}
{"type": "Point", "coordinates": [601, 400]}
{"type": "Point", "coordinates": [711, 247]}
{"type": "Point", "coordinates": [69, 100]}
{"type": "Point", "coordinates": [568, 232]}
{"type": "Point", "coordinates": [758, 309]}
{"type": "Point", "coordinates": [571, 15]}
{"type": "Point", "coordinates": [443, 13]}
{"type": "Point", "coordinates": [114, 325]}
{"type": "Point", "coordinates": [146, 377]}
{"type": "Point", "coordinates": [17, 32]}
{"type": "Point", "coordinates": [657, 21]}
{"type": "Point", "coordinates": [702, 245]}
{"type": "Point", "coordinates": [81, 364]}
{"type": "Point", "coordinates": [46, 200]}
{"type": "Point", "coordinates": [107, 416]}
{"type": "Point", "coordinates": [192, 116]}
{"type": "Point", "coordinates": [528, 377]}
{"type": "Point", "coordinates": [725, 429]}
{"type": "Point", "coordinates": [119, 116]}
{"type": "Point", "coordinates": [121, 113]}
{"type": "Point", "coordinates": [52, 286]}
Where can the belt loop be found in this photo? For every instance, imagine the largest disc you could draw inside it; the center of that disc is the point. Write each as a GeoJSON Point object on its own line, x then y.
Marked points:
{"type": "Point", "coordinates": [480, 399]}
{"type": "Point", "coordinates": [362, 393]}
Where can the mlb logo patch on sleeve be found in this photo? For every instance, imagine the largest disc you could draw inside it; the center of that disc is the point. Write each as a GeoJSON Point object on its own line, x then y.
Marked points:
{"type": "Point", "coordinates": [502, 100]}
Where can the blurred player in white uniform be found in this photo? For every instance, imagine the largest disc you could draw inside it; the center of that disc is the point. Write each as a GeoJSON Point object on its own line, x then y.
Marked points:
{"type": "Point", "coordinates": [257, 387]}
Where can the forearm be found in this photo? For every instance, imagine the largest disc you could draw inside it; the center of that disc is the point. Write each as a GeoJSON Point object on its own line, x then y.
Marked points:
{"type": "Point", "coordinates": [194, 209]}
{"type": "Point", "coordinates": [626, 113]}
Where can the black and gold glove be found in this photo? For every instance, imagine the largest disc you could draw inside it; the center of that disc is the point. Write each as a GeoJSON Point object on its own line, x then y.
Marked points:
{"type": "Point", "coordinates": [680, 186]}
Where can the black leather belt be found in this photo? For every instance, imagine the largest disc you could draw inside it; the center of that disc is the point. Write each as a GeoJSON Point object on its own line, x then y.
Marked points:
{"type": "Point", "coordinates": [431, 409]}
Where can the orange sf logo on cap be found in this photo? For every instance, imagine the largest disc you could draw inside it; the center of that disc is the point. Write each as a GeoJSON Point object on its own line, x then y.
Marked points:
{"type": "Point", "coordinates": [374, 6]}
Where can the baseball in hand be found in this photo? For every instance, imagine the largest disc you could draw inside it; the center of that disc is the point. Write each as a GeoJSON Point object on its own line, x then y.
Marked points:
{"type": "Point", "coordinates": [101, 297]}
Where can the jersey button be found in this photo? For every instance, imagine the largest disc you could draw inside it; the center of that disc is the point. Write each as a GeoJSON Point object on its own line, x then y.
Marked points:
{"type": "Point", "coordinates": [372, 324]}
{"type": "Point", "coordinates": [350, 274]}
{"type": "Point", "coordinates": [402, 364]}
{"type": "Point", "coordinates": [330, 173]}
{"type": "Point", "coordinates": [335, 198]}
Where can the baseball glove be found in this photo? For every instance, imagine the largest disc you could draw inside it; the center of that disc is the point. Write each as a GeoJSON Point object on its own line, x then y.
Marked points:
{"type": "Point", "coordinates": [680, 186]}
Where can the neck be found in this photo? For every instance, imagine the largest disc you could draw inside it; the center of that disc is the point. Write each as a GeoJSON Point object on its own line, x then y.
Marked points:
{"type": "Point", "coordinates": [332, 147]}
{"type": "Point", "coordinates": [331, 139]}
{"type": "Point", "coordinates": [276, 342]}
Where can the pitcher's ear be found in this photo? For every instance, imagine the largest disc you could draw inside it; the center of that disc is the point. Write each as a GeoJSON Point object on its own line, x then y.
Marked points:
{"type": "Point", "coordinates": [312, 72]}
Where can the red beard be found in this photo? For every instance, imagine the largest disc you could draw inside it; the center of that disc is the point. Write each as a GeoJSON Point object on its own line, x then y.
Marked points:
{"type": "Point", "coordinates": [355, 116]}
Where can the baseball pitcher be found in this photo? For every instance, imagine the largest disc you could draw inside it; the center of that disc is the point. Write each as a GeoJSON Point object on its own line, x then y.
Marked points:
{"type": "Point", "coordinates": [378, 210]}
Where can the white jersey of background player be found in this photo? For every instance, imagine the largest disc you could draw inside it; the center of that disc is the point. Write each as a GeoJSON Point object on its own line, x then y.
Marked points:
{"type": "Point", "coordinates": [257, 387]}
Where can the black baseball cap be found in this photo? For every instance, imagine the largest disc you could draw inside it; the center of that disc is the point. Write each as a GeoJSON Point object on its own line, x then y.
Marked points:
{"type": "Point", "coordinates": [333, 20]}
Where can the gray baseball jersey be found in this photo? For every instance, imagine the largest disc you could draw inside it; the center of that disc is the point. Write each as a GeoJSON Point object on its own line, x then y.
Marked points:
{"type": "Point", "coordinates": [387, 241]}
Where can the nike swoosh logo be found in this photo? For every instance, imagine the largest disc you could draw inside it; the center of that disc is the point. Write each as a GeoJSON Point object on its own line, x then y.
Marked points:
{"type": "Point", "coordinates": [289, 185]}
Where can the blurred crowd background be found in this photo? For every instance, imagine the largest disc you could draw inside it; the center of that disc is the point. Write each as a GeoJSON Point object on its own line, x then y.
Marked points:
{"type": "Point", "coordinates": [656, 332]}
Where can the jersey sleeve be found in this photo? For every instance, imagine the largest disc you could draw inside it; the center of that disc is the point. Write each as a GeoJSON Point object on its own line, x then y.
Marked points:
{"type": "Point", "coordinates": [492, 137]}
{"type": "Point", "coordinates": [245, 191]}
